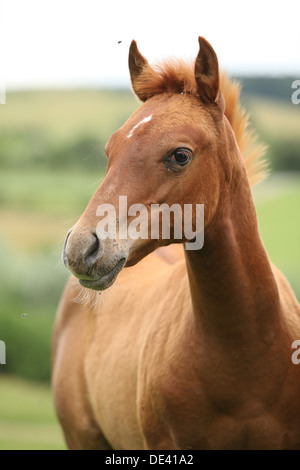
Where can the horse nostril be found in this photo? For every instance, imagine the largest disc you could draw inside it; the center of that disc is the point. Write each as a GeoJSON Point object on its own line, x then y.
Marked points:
{"type": "Point", "coordinates": [93, 251]}
{"type": "Point", "coordinates": [64, 255]}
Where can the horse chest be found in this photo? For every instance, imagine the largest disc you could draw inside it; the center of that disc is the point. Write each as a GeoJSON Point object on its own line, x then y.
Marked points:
{"type": "Point", "coordinates": [181, 411]}
{"type": "Point", "coordinates": [190, 423]}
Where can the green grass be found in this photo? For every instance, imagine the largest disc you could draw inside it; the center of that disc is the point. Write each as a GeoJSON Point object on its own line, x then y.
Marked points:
{"type": "Point", "coordinates": [65, 113]}
{"type": "Point", "coordinates": [60, 129]}
{"type": "Point", "coordinates": [278, 208]}
{"type": "Point", "coordinates": [275, 118]}
{"type": "Point", "coordinates": [277, 124]}
{"type": "Point", "coordinates": [27, 417]}
{"type": "Point", "coordinates": [48, 192]}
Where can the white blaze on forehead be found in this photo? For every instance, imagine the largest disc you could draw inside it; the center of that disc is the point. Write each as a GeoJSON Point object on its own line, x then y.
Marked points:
{"type": "Point", "coordinates": [143, 121]}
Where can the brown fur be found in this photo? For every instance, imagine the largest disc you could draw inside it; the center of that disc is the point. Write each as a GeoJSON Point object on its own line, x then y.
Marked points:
{"type": "Point", "coordinates": [177, 76]}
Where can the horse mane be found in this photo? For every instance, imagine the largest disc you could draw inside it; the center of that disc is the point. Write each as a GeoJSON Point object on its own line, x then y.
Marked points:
{"type": "Point", "coordinates": [252, 151]}
{"type": "Point", "coordinates": [177, 76]}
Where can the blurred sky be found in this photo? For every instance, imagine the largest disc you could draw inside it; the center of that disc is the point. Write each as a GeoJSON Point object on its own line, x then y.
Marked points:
{"type": "Point", "coordinates": [67, 43]}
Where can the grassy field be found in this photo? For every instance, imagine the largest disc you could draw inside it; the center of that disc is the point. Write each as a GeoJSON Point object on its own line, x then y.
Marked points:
{"type": "Point", "coordinates": [275, 118]}
{"type": "Point", "coordinates": [65, 113]}
{"type": "Point", "coordinates": [27, 418]}
{"type": "Point", "coordinates": [278, 207]}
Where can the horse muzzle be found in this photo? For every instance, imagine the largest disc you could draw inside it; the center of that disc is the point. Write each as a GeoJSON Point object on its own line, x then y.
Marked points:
{"type": "Point", "coordinates": [96, 263]}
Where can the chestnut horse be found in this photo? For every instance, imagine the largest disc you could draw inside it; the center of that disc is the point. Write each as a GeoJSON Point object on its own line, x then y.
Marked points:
{"type": "Point", "coordinates": [188, 349]}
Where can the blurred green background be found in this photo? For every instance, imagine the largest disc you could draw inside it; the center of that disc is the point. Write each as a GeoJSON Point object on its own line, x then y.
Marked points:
{"type": "Point", "coordinates": [51, 162]}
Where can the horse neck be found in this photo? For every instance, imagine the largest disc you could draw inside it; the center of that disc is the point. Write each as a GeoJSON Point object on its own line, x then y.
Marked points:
{"type": "Point", "coordinates": [234, 292]}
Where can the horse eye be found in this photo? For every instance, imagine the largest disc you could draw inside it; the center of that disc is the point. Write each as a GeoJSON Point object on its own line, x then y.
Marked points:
{"type": "Point", "coordinates": [180, 156]}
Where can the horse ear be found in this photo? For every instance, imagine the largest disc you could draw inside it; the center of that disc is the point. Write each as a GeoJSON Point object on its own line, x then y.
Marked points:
{"type": "Point", "coordinates": [137, 63]}
{"type": "Point", "coordinates": [207, 74]}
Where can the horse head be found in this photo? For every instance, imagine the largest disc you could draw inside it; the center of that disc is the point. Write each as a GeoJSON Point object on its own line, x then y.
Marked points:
{"type": "Point", "coordinates": [175, 149]}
